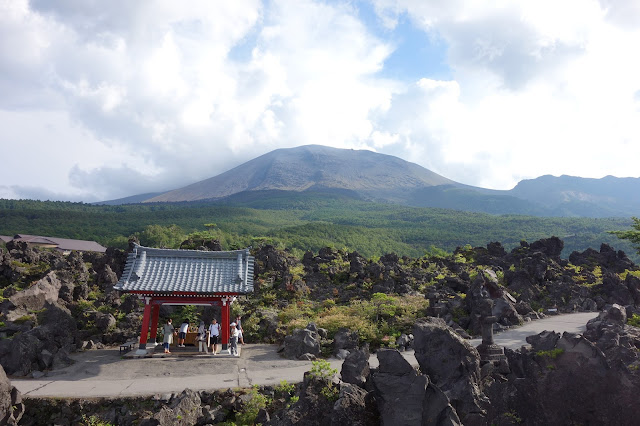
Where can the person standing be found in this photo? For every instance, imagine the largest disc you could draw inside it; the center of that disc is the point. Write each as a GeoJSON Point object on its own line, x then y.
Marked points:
{"type": "Point", "coordinates": [168, 332]}
{"type": "Point", "coordinates": [202, 338]}
{"type": "Point", "coordinates": [240, 330]}
{"type": "Point", "coordinates": [214, 335]}
{"type": "Point", "coordinates": [182, 334]}
{"type": "Point", "coordinates": [233, 340]}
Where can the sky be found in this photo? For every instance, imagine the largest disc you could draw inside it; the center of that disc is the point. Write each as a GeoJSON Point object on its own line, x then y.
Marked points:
{"type": "Point", "coordinates": [106, 99]}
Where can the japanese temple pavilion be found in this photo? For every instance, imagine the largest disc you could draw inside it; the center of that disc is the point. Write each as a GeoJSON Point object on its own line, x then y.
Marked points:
{"type": "Point", "coordinates": [185, 277]}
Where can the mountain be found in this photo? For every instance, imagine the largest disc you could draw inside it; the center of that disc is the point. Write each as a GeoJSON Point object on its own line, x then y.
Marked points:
{"type": "Point", "coordinates": [375, 176]}
{"type": "Point", "coordinates": [367, 175]}
{"type": "Point", "coordinates": [586, 197]}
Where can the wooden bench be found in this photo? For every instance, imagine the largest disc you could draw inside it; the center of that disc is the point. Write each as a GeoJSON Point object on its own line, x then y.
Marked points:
{"type": "Point", "coordinates": [126, 347]}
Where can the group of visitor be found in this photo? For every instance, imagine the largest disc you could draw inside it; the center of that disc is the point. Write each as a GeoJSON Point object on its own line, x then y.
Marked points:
{"type": "Point", "coordinates": [207, 337]}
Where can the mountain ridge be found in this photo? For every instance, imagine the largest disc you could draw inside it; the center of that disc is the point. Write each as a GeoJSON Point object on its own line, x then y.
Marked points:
{"type": "Point", "coordinates": [384, 178]}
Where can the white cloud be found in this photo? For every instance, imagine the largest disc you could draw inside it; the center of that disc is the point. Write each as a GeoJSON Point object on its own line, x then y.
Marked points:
{"type": "Point", "coordinates": [126, 97]}
{"type": "Point", "coordinates": [542, 89]}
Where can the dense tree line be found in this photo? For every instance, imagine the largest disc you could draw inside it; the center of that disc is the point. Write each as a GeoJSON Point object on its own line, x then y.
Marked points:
{"type": "Point", "coordinates": [304, 221]}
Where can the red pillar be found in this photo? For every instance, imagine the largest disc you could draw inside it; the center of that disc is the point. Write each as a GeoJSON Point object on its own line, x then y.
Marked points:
{"type": "Point", "coordinates": [155, 313]}
{"type": "Point", "coordinates": [145, 324]}
{"type": "Point", "coordinates": [225, 324]}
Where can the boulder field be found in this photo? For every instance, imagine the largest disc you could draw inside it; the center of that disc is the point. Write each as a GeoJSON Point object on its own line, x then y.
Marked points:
{"type": "Point", "coordinates": [559, 379]}
{"type": "Point", "coordinates": [53, 305]}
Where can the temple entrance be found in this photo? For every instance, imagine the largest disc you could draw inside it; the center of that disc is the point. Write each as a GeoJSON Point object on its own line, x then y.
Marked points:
{"type": "Point", "coordinates": [185, 277]}
{"type": "Point", "coordinates": [152, 313]}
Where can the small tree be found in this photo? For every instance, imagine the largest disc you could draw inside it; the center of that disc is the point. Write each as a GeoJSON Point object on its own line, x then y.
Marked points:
{"type": "Point", "coordinates": [161, 236]}
{"type": "Point", "coordinates": [385, 305]}
{"type": "Point", "coordinates": [632, 235]}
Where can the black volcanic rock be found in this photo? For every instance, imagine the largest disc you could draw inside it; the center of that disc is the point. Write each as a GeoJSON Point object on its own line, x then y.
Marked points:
{"type": "Point", "coordinates": [607, 258]}
{"type": "Point", "coordinates": [571, 379]}
{"type": "Point", "coordinates": [11, 406]}
{"type": "Point", "coordinates": [552, 247]}
{"type": "Point", "coordinates": [406, 397]}
{"type": "Point", "coordinates": [452, 364]}
{"type": "Point", "coordinates": [355, 368]}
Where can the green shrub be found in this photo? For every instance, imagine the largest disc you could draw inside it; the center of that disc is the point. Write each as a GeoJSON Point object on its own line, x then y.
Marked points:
{"type": "Point", "coordinates": [352, 317]}
{"type": "Point", "coordinates": [296, 315]}
{"type": "Point", "coordinates": [322, 370]}
{"type": "Point", "coordinates": [285, 388]}
{"type": "Point", "coordinates": [249, 412]}
{"type": "Point", "coordinates": [293, 400]}
{"type": "Point", "coordinates": [634, 320]}
{"type": "Point", "coordinates": [107, 309]}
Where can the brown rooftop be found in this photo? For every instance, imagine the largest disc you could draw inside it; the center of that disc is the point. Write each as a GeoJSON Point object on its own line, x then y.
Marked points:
{"type": "Point", "coordinates": [62, 244]}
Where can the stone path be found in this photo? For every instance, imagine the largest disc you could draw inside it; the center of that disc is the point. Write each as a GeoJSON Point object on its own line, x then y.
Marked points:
{"type": "Point", "coordinates": [104, 373]}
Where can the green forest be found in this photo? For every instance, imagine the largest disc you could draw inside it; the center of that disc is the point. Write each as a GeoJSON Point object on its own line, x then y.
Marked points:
{"type": "Point", "coordinates": [301, 222]}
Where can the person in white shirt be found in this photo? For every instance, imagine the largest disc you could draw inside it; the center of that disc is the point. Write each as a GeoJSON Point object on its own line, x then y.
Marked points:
{"type": "Point", "coordinates": [182, 333]}
{"type": "Point", "coordinates": [233, 340]}
{"type": "Point", "coordinates": [168, 332]}
{"type": "Point", "coordinates": [214, 335]}
{"type": "Point", "coordinates": [240, 330]}
{"type": "Point", "coordinates": [202, 338]}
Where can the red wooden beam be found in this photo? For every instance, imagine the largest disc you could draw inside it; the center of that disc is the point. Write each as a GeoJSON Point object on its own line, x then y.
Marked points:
{"type": "Point", "coordinates": [144, 334]}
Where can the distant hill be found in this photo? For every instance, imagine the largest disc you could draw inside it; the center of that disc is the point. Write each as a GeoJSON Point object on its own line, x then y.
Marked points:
{"type": "Point", "coordinates": [585, 197]}
{"type": "Point", "coordinates": [369, 176]}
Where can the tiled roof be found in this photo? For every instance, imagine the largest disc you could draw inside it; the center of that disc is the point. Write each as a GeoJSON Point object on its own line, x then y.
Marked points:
{"type": "Point", "coordinates": [63, 244]}
{"type": "Point", "coordinates": [192, 271]}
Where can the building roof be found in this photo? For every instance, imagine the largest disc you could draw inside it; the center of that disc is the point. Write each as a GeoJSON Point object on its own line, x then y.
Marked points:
{"type": "Point", "coordinates": [62, 244]}
{"type": "Point", "coordinates": [152, 270]}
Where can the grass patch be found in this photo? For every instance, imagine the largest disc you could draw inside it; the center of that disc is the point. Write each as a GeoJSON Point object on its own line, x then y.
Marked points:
{"type": "Point", "coordinates": [553, 353]}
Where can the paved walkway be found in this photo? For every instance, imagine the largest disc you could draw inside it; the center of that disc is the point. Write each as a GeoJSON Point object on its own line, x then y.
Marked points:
{"type": "Point", "coordinates": [514, 338]}
{"type": "Point", "coordinates": [104, 373]}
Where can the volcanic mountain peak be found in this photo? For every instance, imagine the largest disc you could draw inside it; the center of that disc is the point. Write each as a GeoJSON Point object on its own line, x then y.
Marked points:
{"type": "Point", "coordinates": [313, 166]}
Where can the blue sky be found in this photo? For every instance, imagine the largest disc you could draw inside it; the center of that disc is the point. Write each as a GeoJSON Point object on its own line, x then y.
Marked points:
{"type": "Point", "coordinates": [106, 100]}
{"type": "Point", "coordinates": [416, 54]}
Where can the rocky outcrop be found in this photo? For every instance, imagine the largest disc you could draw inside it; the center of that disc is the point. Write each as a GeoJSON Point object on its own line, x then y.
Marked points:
{"type": "Point", "coordinates": [345, 339]}
{"type": "Point", "coordinates": [276, 263]}
{"type": "Point", "coordinates": [36, 296]}
{"type": "Point", "coordinates": [400, 388]}
{"type": "Point", "coordinates": [453, 365]}
{"type": "Point", "coordinates": [11, 406]}
{"type": "Point", "coordinates": [351, 407]}
{"type": "Point", "coordinates": [301, 342]}
{"type": "Point", "coordinates": [619, 342]}
{"type": "Point", "coordinates": [184, 409]}
{"type": "Point", "coordinates": [43, 347]}
{"type": "Point", "coordinates": [406, 397]}
{"type": "Point", "coordinates": [570, 379]}
{"type": "Point", "coordinates": [607, 258]}
{"type": "Point", "coordinates": [355, 368]}
{"type": "Point", "coordinates": [316, 405]}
